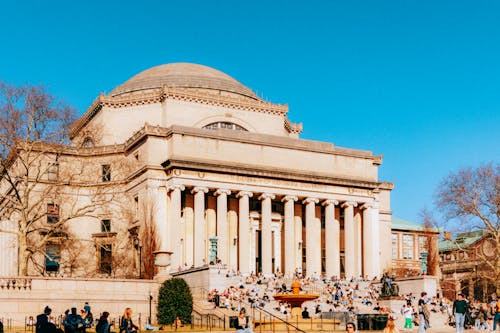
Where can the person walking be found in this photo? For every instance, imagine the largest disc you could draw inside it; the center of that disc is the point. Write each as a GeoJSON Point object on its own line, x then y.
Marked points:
{"type": "Point", "coordinates": [459, 310]}
{"type": "Point", "coordinates": [496, 318]}
{"type": "Point", "coordinates": [408, 315]}
{"type": "Point", "coordinates": [423, 313]}
{"type": "Point", "coordinates": [126, 324]}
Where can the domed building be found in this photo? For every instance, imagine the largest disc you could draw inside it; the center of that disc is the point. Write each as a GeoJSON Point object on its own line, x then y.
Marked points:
{"type": "Point", "coordinates": [199, 170]}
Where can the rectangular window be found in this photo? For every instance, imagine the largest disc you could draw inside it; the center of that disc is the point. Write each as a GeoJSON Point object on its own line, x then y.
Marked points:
{"type": "Point", "coordinates": [394, 246]}
{"type": "Point", "coordinates": [106, 173]}
{"type": "Point", "coordinates": [105, 259]}
{"type": "Point", "coordinates": [52, 257]}
{"type": "Point", "coordinates": [106, 225]}
{"type": "Point", "coordinates": [53, 171]}
{"type": "Point", "coordinates": [408, 246]}
{"type": "Point", "coordinates": [52, 213]}
{"type": "Point", "coordinates": [136, 206]}
{"type": "Point", "coordinates": [422, 244]}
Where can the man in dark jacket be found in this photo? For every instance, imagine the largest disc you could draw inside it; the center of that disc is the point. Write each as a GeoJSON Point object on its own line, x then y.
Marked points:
{"type": "Point", "coordinates": [459, 310]}
{"type": "Point", "coordinates": [42, 321]}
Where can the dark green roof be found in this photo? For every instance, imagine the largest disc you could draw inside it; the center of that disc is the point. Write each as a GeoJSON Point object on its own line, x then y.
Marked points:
{"type": "Point", "coordinates": [462, 240]}
{"type": "Point", "coordinates": [400, 224]}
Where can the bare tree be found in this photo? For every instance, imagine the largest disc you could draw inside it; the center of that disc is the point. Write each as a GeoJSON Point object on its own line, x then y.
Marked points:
{"type": "Point", "coordinates": [42, 186]}
{"type": "Point", "coordinates": [150, 240]}
{"type": "Point", "coordinates": [470, 199]}
{"type": "Point", "coordinates": [430, 225]}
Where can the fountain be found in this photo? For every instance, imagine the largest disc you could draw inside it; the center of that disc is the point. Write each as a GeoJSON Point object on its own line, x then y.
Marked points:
{"type": "Point", "coordinates": [295, 299]}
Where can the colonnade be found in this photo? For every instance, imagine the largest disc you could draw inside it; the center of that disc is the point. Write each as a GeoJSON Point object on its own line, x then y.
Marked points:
{"type": "Point", "coordinates": [361, 233]}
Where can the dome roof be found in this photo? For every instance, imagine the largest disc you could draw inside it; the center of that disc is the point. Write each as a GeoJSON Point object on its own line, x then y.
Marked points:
{"type": "Point", "coordinates": [184, 75]}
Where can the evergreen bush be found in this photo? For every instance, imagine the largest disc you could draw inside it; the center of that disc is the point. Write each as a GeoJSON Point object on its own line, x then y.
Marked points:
{"type": "Point", "coordinates": [174, 300]}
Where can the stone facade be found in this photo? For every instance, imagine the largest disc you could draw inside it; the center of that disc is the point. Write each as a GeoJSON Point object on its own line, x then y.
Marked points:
{"type": "Point", "coordinates": [224, 177]}
{"type": "Point", "coordinates": [463, 267]}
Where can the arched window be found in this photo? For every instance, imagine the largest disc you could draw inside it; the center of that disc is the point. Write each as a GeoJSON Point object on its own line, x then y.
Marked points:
{"type": "Point", "coordinates": [224, 124]}
{"type": "Point", "coordinates": [88, 142]}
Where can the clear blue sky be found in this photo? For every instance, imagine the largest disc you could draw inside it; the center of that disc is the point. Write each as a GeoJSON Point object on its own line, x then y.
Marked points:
{"type": "Point", "coordinates": [416, 81]}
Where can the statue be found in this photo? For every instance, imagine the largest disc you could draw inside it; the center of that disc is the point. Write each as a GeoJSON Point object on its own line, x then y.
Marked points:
{"type": "Point", "coordinates": [389, 288]}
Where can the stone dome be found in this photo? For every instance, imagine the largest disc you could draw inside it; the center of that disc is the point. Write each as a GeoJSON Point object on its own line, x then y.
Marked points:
{"type": "Point", "coordinates": [184, 75]}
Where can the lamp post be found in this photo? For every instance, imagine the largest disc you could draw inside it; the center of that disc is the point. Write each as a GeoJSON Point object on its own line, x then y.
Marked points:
{"type": "Point", "coordinates": [138, 246]}
{"type": "Point", "coordinates": [150, 301]}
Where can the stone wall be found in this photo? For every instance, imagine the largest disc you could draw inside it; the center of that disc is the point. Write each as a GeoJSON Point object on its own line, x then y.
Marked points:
{"type": "Point", "coordinates": [24, 297]}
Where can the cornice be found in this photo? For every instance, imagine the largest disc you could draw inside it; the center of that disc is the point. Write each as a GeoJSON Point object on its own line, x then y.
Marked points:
{"type": "Point", "coordinates": [293, 128]}
{"type": "Point", "coordinates": [250, 138]}
{"type": "Point", "coordinates": [196, 95]}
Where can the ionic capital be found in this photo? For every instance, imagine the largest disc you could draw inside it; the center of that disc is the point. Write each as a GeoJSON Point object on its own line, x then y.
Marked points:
{"type": "Point", "coordinates": [310, 200]}
{"type": "Point", "coordinates": [329, 202]}
{"type": "Point", "coordinates": [349, 204]}
{"type": "Point", "coordinates": [264, 196]}
{"type": "Point", "coordinates": [366, 205]}
{"type": "Point", "coordinates": [222, 191]}
{"type": "Point", "coordinates": [244, 194]}
{"type": "Point", "coordinates": [173, 187]}
{"type": "Point", "coordinates": [287, 198]}
{"type": "Point", "coordinates": [197, 189]}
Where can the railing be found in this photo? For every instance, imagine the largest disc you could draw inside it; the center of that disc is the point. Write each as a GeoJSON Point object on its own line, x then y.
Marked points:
{"type": "Point", "coordinates": [272, 321]}
{"type": "Point", "coordinates": [7, 323]}
{"type": "Point", "coordinates": [15, 283]}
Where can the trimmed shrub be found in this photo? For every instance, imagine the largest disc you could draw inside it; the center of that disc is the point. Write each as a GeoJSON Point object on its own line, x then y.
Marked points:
{"type": "Point", "coordinates": [174, 300]}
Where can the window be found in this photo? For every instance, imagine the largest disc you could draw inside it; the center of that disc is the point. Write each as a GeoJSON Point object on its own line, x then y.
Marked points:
{"type": "Point", "coordinates": [136, 206]}
{"type": "Point", "coordinates": [106, 173]}
{"type": "Point", "coordinates": [52, 257]}
{"type": "Point", "coordinates": [52, 213]}
{"type": "Point", "coordinates": [422, 244]}
{"type": "Point", "coordinates": [53, 171]}
{"type": "Point", "coordinates": [408, 246]}
{"type": "Point", "coordinates": [88, 142]}
{"type": "Point", "coordinates": [394, 246]}
{"type": "Point", "coordinates": [105, 259]}
{"type": "Point", "coordinates": [225, 125]}
{"type": "Point", "coordinates": [105, 225]}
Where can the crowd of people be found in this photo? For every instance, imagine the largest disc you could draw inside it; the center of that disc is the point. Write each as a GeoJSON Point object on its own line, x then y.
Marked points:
{"type": "Point", "coordinates": [74, 322]}
{"type": "Point", "coordinates": [352, 296]}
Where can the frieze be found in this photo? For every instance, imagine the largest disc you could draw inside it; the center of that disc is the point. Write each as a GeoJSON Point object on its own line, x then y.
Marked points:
{"type": "Point", "coordinates": [308, 182]}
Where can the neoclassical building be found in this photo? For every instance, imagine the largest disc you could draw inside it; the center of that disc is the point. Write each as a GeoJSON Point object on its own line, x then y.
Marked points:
{"type": "Point", "coordinates": [225, 178]}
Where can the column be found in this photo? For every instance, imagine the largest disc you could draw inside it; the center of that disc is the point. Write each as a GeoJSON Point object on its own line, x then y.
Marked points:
{"type": "Point", "coordinates": [290, 244]}
{"type": "Point", "coordinates": [222, 226]}
{"type": "Point", "coordinates": [277, 247]}
{"type": "Point", "coordinates": [265, 231]}
{"type": "Point", "coordinates": [359, 246]}
{"type": "Point", "coordinates": [244, 231]}
{"type": "Point", "coordinates": [313, 238]}
{"type": "Point", "coordinates": [175, 223]}
{"type": "Point", "coordinates": [160, 217]}
{"type": "Point", "coordinates": [368, 254]}
{"type": "Point", "coordinates": [377, 261]}
{"type": "Point", "coordinates": [332, 239]}
{"type": "Point", "coordinates": [349, 246]}
{"type": "Point", "coordinates": [199, 223]}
